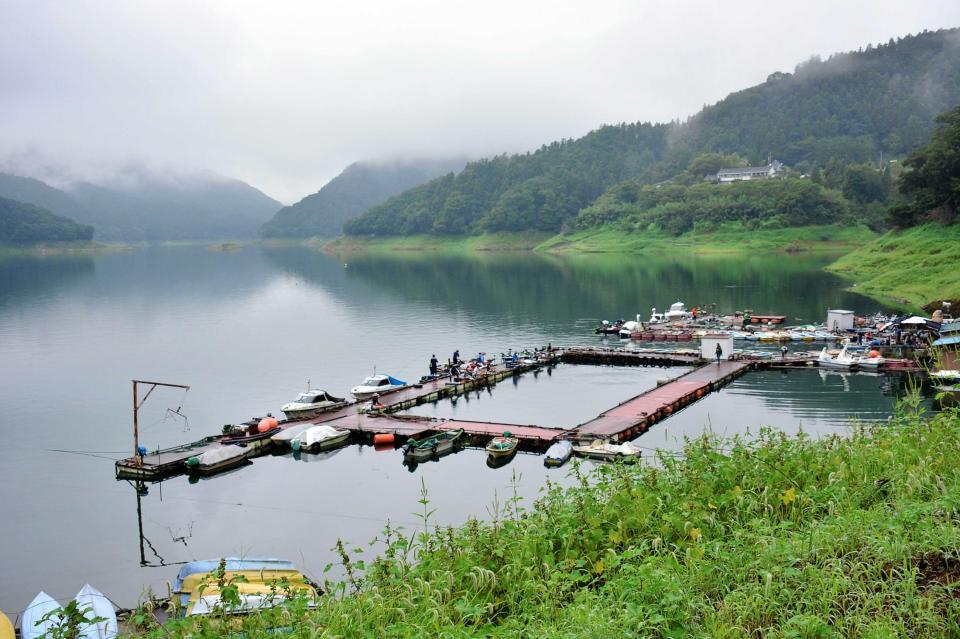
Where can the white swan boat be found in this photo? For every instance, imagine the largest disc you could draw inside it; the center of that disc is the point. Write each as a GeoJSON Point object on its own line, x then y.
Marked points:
{"type": "Point", "coordinates": [605, 451]}
{"type": "Point", "coordinates": [376, 385]}
{"type": "Point", "coordinates": [844, 359]}
{"type": "Point", "coordinates": [311, 403]}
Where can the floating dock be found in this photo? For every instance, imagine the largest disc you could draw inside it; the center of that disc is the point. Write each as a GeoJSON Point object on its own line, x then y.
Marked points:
{"type": "Point", "coordinates": [622, 422]}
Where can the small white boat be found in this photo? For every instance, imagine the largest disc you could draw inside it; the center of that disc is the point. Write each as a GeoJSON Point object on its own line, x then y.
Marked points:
{"type": "Point", "coordinates": [217, 459]}
{"type": "Point", "coordinates": [376, 385]}
{"type": "Point", "coordinates": [558, 454]}
{"type": "Point", "coordinates": [871, 363]}
{"type": "Point", "coordinates": [96, 604]}
{"type": "Point", "coordinates": [605, 451]}
{"type": "Point", "coordinates": [844, 359]}
{"type": "Point", "coordinates": [312, 402]}
{"type": "Point", "coordinates": [320, 437]}
{"type": "Point", "coordinates": [41, 606]}
{"type": "Point", "coordinates": [627, 328]}
{"type": "Point", "coordinates": [290, 433]}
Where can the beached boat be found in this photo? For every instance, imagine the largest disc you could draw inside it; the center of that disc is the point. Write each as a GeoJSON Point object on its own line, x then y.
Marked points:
{"type": "Point", "coordinates": [843, 359]}
{"type": "Point", "coordinates": [312, 402]}
{"type": "Point", "coordinates": [96, 605]}
{"type": "Point", "coordinates": [503, 446]}
{"type": "Point", "coordinates": [320, 437]}
{"type": "Point", "coordinates": [217, 460]}
{"type": "Point", "coordinates": [6, 628]}
{"type": "Point", "coordinates": [265, 583]}
{"type": "Point", "coordinates": [606, 451]}
{"type": "Point", "coordinates": [438, 444]}
{"type": "Point", "coordinates": [32, 623]}
{"type": "Point", "coordinates": [558, 454]}
{"type": "Point", "coordinates": [376, 385]}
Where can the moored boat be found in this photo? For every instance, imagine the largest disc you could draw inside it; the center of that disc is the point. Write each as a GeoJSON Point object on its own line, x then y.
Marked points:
{"type": "Point", "coordinates": [312, 402]}
{"type": "Point", "coordinates": [97, 606]}
{"type": "Point", "coordinates": [558, 454]}
{"type": "Point", "coordinates": [843, 359]}
{"type": "Point", "coordinates": [39, 617]}
{"type": "Point", "coordinates": [376, 385]}
{"type": "Point", "coordinates": [217, 460]}
{"type": "Point", "coordinates": [6, 627]}
{"type": "Point", "coordinates": [438, 444]}
{"type": "Point", "coordinates": [503, 446]}
{"type": "Point", "coordinates": [321, 437]}
{"type": "Point", "coordinates": [606, 451]}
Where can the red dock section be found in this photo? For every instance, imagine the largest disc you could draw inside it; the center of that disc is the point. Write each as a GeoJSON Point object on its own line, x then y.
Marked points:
{"type": "Point", "coordinates": [634, 416]}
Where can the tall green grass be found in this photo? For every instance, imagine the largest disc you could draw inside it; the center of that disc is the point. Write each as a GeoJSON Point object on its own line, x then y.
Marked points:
{"type": "Point", "coordinates": [913, 267]}
{"type": "Point", "coordinates": [769, 536]}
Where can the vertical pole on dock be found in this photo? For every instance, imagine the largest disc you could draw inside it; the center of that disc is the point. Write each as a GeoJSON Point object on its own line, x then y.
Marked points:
{"type": "Point", "coordinates": [137, 403]}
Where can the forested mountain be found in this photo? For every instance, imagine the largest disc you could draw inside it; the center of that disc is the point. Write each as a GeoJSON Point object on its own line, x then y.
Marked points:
{"type": "Point", "coordinates": [29, 190]}
{"type": "Point", "coordinates": [192, 208]}
{"type": "Point", "coordinates": [846, 109]}
{"type": "Point", "coordinates": [360, 186]}
{"type": "Point", "coordinates": [22, 223]}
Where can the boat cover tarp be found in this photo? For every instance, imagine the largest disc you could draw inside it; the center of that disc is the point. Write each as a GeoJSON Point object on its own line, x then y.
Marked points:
{"type": "Point", "coordinates": [41, 605]}
{"type": "Point", "coordinates": [395, 381]}
{"type": "Point", "coordinates": [291, 433]}
{"type": "Point", "coordinates": [317, 434]}
{"type": "Point", "coordinates": [947, 341]}
{"type": "Point", "coordinates": [217, 455]}
{"type": "Point", "coordinates": [560, 450]}
{"type": "Point", "coordinates": [232, 564]}
{"type": "Point", "coordinates": [96, 604]}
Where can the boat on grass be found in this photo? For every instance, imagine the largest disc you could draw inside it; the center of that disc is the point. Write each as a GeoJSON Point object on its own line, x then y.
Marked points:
{"type": "Point", "coordinates": [436, 445]}
{"type": "Point", "coordinates": [376, 385]}
{"type": "Point", "coordinates": [606, 451]}
{"type": "Point", "coordinates": [217, 460]}
{"type": "Point", "coordinates": [42, 616]}
{"type": "Point", "coordinates": [312, 402]}
{"type": "Point", "coordinates": [260, 583]}
{"type": "Point", "coordinates": [320, 437]}
{"type": "Point", "coordinates": [558, 454]}
{"type": "Point", "coordinates": [503, 446]}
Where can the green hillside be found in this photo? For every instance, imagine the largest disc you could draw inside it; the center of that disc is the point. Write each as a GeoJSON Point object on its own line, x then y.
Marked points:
{"type": "Point", "coordinates": [22, 223]}
{"type": "Point", "coordinates": [846, 109]}
{"type": "Point", "coordinates": [360, 186]}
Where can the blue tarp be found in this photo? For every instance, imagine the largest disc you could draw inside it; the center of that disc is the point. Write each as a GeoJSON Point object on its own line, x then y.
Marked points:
{"type": "Point", "coordinates": [947, 341]}
{"type": "Point", "coordinates": [395, 381]}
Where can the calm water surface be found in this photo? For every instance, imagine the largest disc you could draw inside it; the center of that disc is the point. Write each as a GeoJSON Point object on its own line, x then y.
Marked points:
{"type": "Point", "coordinates": [247, 329]}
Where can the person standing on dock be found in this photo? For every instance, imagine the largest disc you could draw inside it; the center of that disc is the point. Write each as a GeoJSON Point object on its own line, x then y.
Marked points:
{"type": "Point", "coordinates": [783, 352]}
{"type": "Point", "coordinates": [719, 352]}
{"type": "Point", "coordinates": [456, 357]}
{"type": "Point", "coordinates": [433, 364]}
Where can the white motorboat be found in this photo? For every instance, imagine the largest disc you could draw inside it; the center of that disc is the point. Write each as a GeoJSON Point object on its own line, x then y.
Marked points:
{"type": "Point", "coordinates": [376, 385]}
{"type": "Point", "coordinates": [628, 327]}
{"type": "Point", "coordinates": [605, 451]}
{"type": "Point", "coordinates": [311, 403]}
{"type": "Point", "coordinates": [320, 437]}
{"type": "Point", "coordinates": [678, 311]}
{"type": "Point", "coordinates": [871, 363]}
{"type": "Point", "coordinates": [844, 359]}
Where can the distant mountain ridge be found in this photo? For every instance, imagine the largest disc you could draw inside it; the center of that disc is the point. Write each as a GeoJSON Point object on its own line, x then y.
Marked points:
{"type": "Point", "coordinates": [151, 208]}
{"type": "Point", "coordinates": [22, 223]}
{"type": "Point", "coordinates": [849, 108]}
{"type": "Point", "coordinates": [357, 188]}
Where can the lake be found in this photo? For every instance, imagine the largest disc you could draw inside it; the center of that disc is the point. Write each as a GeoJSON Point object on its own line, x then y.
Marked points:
{"type": "Point", "coordinates": [247, 329]}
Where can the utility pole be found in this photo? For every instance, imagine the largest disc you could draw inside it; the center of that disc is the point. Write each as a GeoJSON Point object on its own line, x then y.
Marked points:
{"type": "Point", "coordinates": [137, 403]}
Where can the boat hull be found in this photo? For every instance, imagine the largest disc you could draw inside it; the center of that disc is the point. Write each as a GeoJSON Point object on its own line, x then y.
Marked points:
{"type": "Point", "coordinates": [306, 413]}
{"type": "Point", "coordinates": [328, 443]}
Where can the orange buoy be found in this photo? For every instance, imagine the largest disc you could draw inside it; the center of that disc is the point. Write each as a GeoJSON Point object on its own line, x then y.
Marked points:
{"type": "Point", "coordinates": [383, 438]}
{"type": "Point", "coordinates": [267, 423]}
{"type": "Point", "coordinates": [668, 410]}
{"type": "Point", "coordinates": [699, 393]}
{"type": "Point", "coordinates": [873, 353]}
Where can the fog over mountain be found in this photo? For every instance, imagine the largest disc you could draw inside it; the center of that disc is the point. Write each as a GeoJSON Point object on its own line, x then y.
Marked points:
{"type": "Point", "coordinates": [284, 95]}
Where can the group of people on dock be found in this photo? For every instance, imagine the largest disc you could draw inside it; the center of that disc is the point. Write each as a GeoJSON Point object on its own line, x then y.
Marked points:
{"type": "Point", "coordinates": [456, 368]}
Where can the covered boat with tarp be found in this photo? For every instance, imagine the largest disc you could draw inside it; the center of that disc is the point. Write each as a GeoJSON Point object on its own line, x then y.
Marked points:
{"type": "Point", "coordinates": [260, 582]}
{"type": "Point", "coordinates": [320, 437]}
{"type": "Point", "coordinates": [217, 460]}
{"type": "Point", "coordinates": [438, 444]}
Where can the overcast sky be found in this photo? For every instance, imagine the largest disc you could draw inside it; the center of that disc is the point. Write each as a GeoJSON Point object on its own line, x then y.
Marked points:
{"type": "Point", "coordinates": [283, 95]}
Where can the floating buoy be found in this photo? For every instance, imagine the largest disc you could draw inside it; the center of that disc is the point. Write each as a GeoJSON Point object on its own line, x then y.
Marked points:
{"type": "Point", "coordinates": [699, 393]}
{"type": "Point", "coordinates": [668, 410]}
{"type": "Point", "coordinates": [873, 353]}
{"type": "Point", "coordinates": [267, 423]}
{"type": "Point", "coordinates": [383, 438]}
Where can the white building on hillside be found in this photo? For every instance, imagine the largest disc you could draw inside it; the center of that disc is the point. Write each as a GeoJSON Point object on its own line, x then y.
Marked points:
{"type": "Point", "coordinates": [750, 172]}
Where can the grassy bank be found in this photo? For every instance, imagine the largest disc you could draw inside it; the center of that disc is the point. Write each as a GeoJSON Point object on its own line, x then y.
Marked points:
{"type": "Point", "coordinates": [772, 537]}
{"type": "Point", "coordinates": [433, 243]}
{"type": "Point", "coordinates": [730, 238]}
{"type": "Point", "coordinates": [917, 267]}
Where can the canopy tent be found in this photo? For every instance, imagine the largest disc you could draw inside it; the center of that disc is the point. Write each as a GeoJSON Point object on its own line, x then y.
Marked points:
{"type": "Point", "coordinates": [915, 321]}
